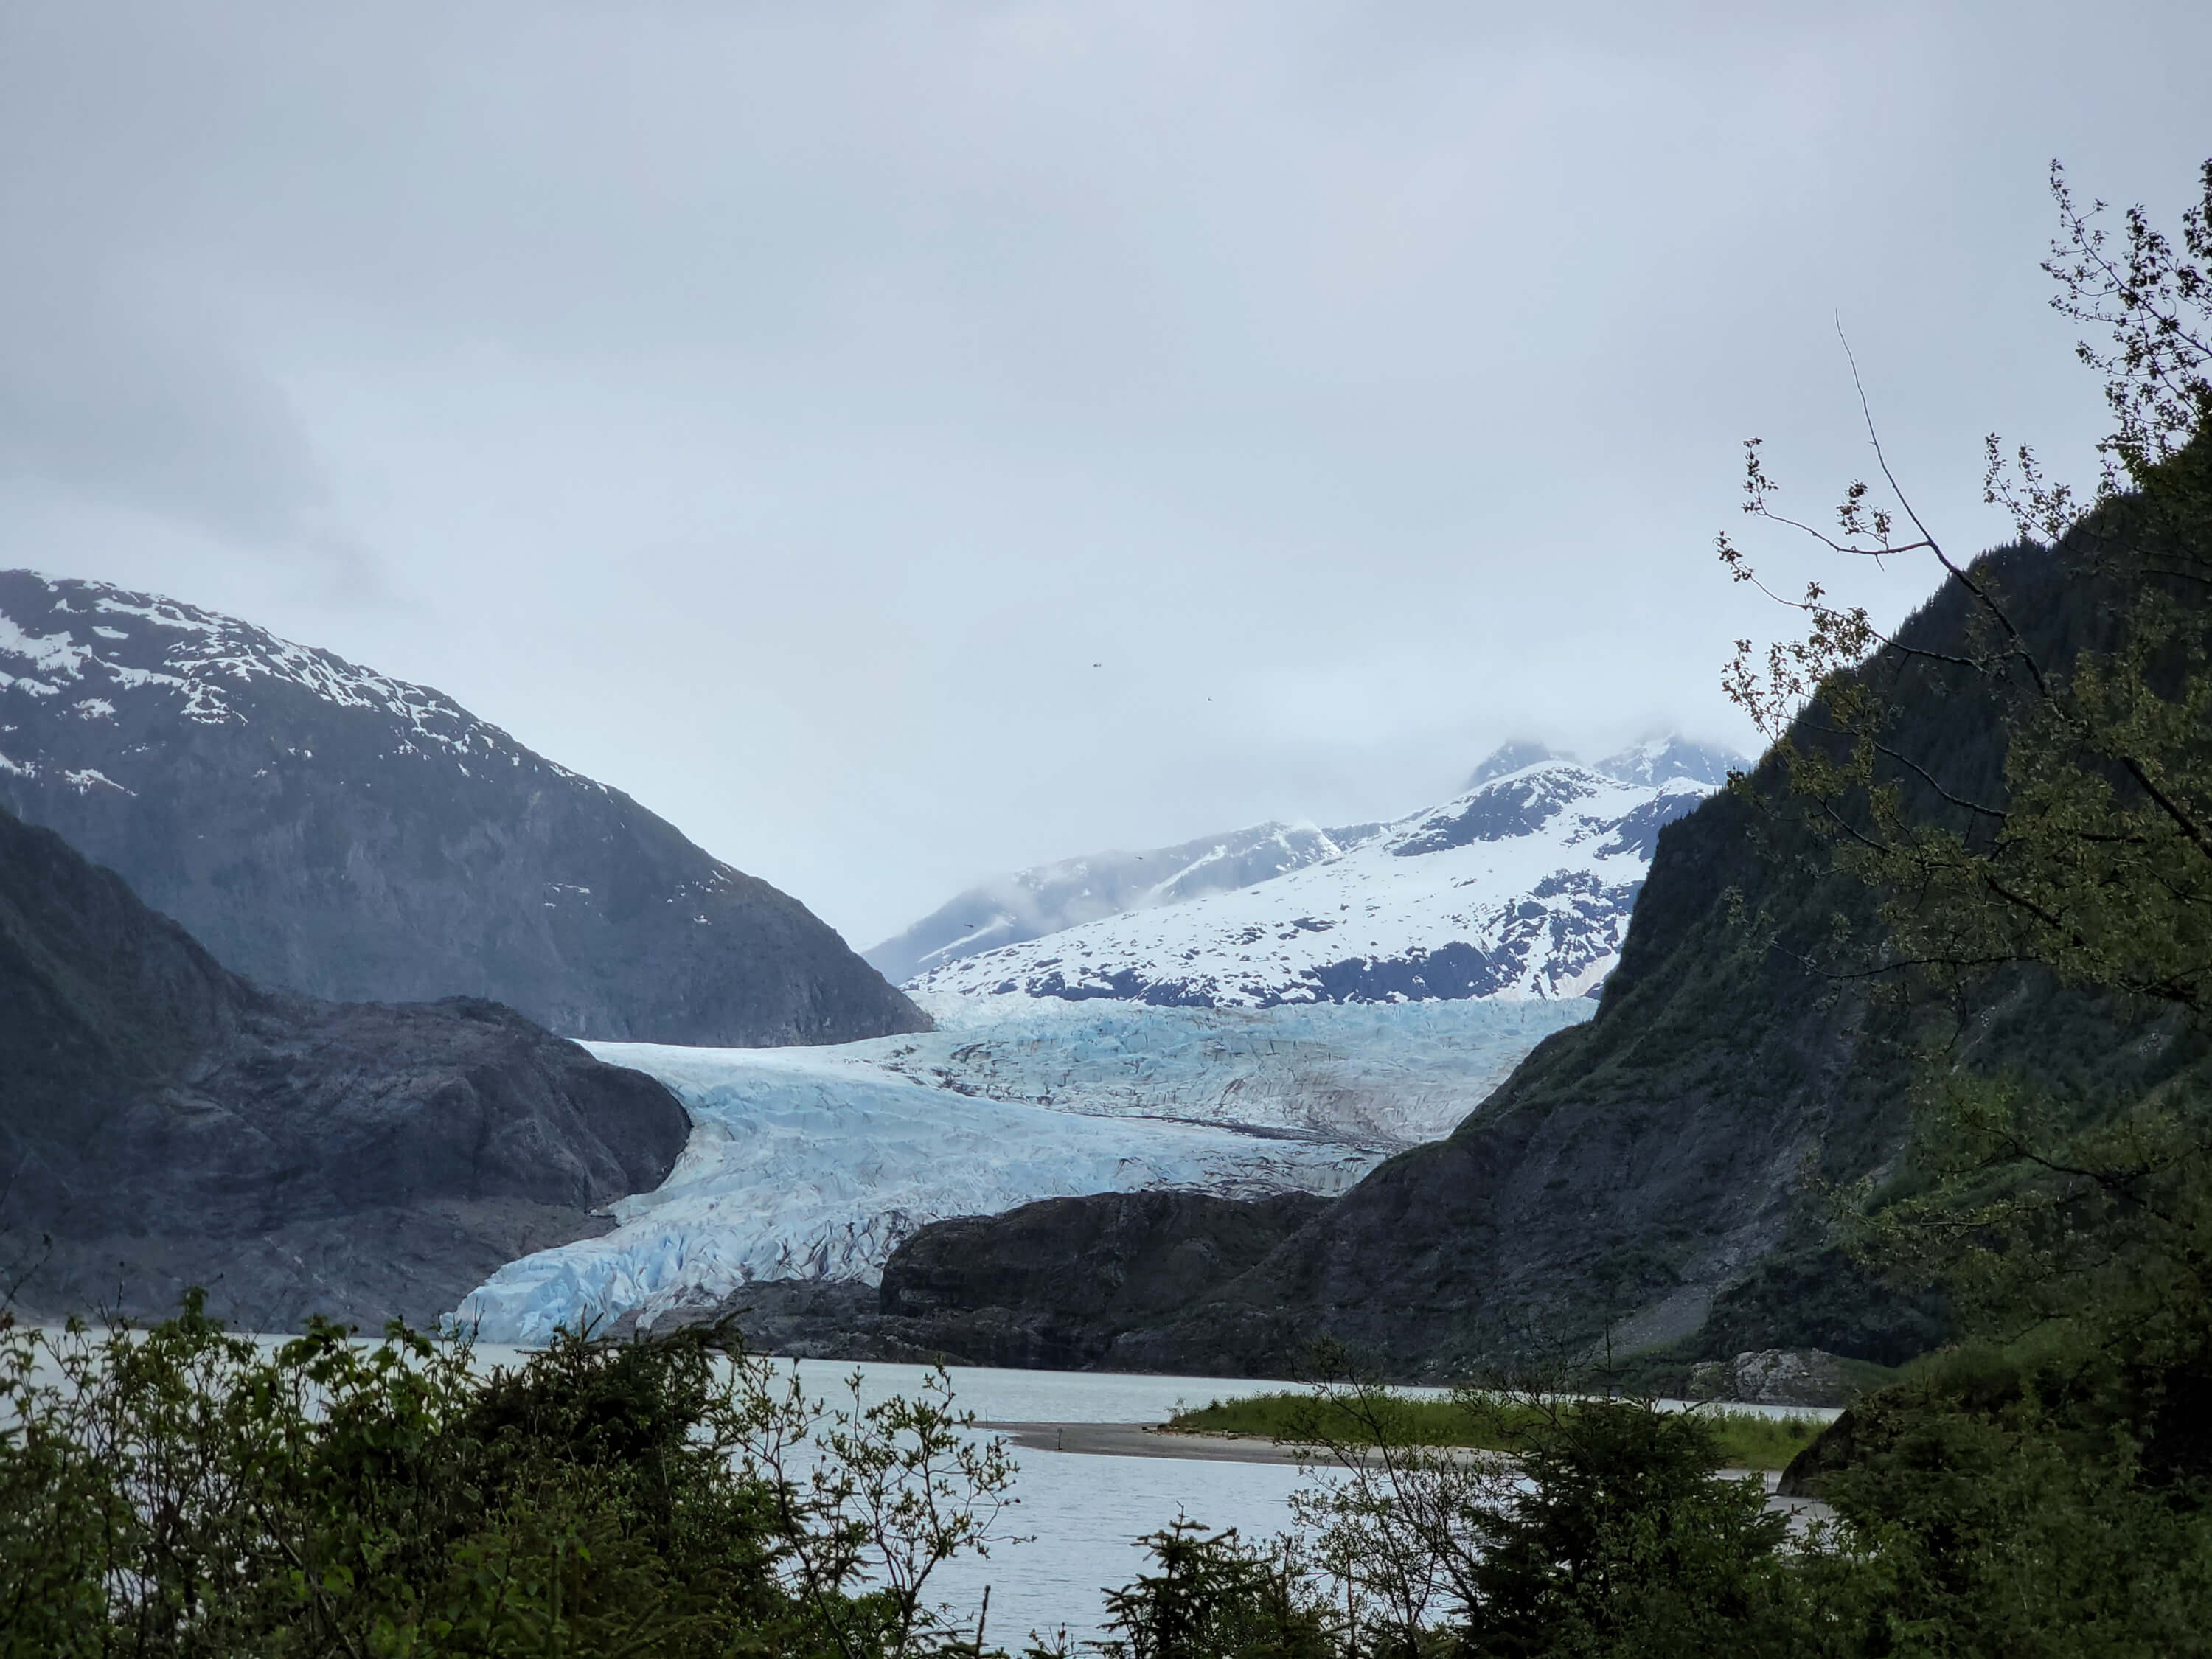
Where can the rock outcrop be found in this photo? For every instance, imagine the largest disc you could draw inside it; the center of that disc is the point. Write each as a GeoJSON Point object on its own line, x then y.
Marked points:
{"type": "Point", "coordinates": [1774, 1376]}
{"type": "Point", "coordinates": [1054, 1286]}
{"type": "Point", "coordinates": [1060, 1285]}
{"type": "Point", "coordinates": [164, 1122]}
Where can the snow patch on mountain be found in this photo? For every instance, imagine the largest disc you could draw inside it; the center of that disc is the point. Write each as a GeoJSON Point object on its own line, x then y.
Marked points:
{"type": "Point", "coordinates": [816, 1163]}
{"type": "Point", "coordinates": [208, 664]}
{"type": "Point", "coordinates": [1048, 899]}
{"type": "Point", "coordinates": [1657, 759]}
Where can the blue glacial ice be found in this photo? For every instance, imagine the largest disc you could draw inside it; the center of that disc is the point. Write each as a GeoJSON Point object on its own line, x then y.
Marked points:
{"type": "Point", "coordinates": [816, 1163]}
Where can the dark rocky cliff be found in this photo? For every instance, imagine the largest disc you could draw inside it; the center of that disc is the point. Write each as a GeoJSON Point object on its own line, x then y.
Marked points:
{"type": "Point", "coordinates": [1056, 1284]}
{"type": "Point", "coordinates": [322, 827]}
{"type": "Point", "coordinates": [1051, 1284]}
{"type": "Point", "coordinates": [165, 1122]}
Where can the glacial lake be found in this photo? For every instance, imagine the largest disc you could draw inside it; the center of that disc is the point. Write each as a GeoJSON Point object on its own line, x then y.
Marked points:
{"type": "Point", "coordinates": [1082, 1513]}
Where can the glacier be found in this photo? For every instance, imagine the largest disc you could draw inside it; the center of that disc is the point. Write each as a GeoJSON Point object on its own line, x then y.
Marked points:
{"type": "Point", "coordinates": [815, 1163]}
{"type": "Point", "coordinates": [1274, 1012]}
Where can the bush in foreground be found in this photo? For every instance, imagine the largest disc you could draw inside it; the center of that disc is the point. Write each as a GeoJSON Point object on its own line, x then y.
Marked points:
{"type": "Point", "coordinates": [183, 1491]}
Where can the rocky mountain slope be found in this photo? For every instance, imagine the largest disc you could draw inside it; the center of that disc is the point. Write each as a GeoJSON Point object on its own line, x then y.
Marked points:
{"type": "Point", "coordinates": [321, 827]}
{"type": "Point", "coordinates": [1520, 887]}
{"type": "Point", "coordinates": [1650, 1176]}
{"type": "Point", "coordinates": [165, 1122]}
{"type": "Point", "coordinates": [1050, 1286]}
{"type": "Point", "coordinates": [1055, 1284]}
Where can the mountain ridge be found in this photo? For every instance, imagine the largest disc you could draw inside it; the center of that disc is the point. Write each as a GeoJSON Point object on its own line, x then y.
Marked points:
{"type": "Point", "coordinates": [1520, 886]}
{"type": "Point", "coordinates": [329, 830]}
{"type": "Point", "coordinates": [1050, 898]}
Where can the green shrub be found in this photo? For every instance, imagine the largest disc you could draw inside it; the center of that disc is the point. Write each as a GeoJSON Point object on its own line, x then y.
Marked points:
{"type": "Point", "coordinates": [1744, 1439]}
{"type": "Point", "coordinates": [183, 1492]}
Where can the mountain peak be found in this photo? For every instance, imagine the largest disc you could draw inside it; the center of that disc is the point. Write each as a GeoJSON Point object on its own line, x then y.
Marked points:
{"type": "Point", "coordinates": [1509, 757]}
{"type": "Point", "coordinates": [1656, 760]}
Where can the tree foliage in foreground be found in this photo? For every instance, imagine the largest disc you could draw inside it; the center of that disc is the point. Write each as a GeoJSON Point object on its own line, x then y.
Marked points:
{"type": "Point", "coordinates": [182, 1492]}
{"type": "Point", "coordinates": [2042, 1487]}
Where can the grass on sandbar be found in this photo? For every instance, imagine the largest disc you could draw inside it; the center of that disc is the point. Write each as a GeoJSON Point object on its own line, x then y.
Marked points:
{"type": "Point", "coordinates": [1748, 1440]}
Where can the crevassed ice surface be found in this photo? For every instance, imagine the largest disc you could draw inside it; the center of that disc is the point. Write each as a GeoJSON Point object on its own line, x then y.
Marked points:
{"type": "Point", "coordinates": [816, 1163]}
{"type": "Point", "coordinates": [1366, 1074]}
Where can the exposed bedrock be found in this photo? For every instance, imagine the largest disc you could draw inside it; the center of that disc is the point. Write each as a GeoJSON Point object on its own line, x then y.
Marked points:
{"type": "Point", "coordinates": [164, 1122]}
{"type": "Point", "coordinates": [1068, 1283]}
{"type": "Point", "coordinates": [1058, 1285]}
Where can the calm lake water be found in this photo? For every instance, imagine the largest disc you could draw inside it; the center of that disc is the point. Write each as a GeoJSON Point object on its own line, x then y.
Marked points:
{"type": "Point", "coordinates": [1082, 1513]}
{"type": "Point", "coordinates": [1082, 1516]}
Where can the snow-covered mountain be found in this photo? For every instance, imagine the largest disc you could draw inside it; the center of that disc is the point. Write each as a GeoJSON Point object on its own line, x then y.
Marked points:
{"type": "Point", "coordinates": [1048, 899]}
{"type": "Point", "coordinates": [1661, 758]}
{"type": "Point", "coordinates": [324, 828]}
{"type": "Point", "coordinates": [817, 1163]}
{"type": "Point", "coordinates": [1520, 886]}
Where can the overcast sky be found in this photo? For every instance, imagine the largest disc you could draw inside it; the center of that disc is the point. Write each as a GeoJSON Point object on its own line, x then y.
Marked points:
{"type": "Point", "coordinates": [900, 442]}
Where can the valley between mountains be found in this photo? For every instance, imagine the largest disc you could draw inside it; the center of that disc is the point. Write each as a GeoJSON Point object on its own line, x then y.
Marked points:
{"type": "Point", "coordinates": [1502, 1071]}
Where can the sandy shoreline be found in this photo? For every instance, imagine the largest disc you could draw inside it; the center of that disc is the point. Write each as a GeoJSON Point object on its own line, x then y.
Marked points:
{"type": "Point", "coordinates": [1141, 1440]}
{"type": "Point", "coordinates": [1144, 1440]}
